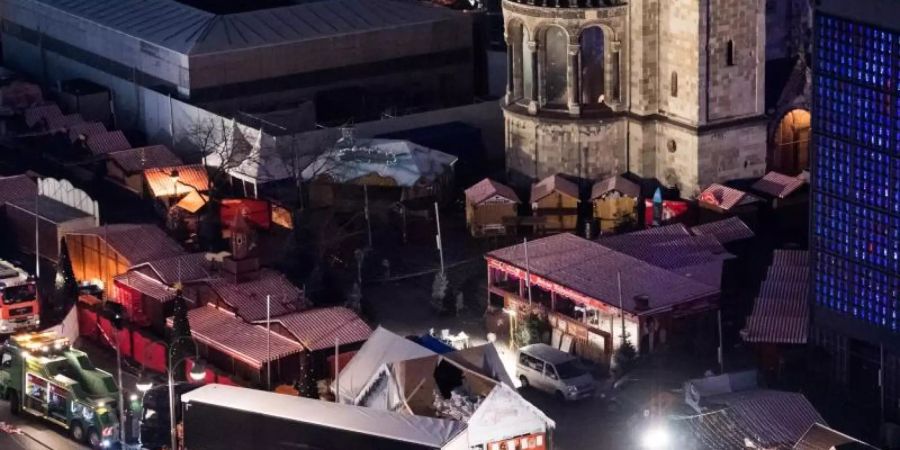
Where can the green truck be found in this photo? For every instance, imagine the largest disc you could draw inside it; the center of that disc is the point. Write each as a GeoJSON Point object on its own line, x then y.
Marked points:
{"type": "Point", "coordinates": [41, 375]}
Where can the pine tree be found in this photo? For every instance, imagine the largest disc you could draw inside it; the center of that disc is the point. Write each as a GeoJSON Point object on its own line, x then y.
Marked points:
{"type": "Point", "coordinates": [180, 344]}
{"type": "Point", "coordinates": [66, 286]}
{"type": "Point", "coordinates": [306, 384]}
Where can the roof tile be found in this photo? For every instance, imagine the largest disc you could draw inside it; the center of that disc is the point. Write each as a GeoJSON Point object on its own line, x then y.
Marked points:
{"type": "Point", "coordinates": [319, 328]}
{"type": "Point", "coordinates": [190, 177]}
{"type": "Point", "coordinates": [134, 160]}
{"type": "Point", "coordinates": [488, 188]}
{"type": "Point", "coordinates": [553, 183]}
{"type": "Point", "coordinates": [106, 142]}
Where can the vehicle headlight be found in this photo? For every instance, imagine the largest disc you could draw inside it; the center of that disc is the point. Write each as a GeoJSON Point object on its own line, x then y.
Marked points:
{"type": "Point", "coordinates": [105, 443]}
{"type": "Point", "coordinates": [572, 389]}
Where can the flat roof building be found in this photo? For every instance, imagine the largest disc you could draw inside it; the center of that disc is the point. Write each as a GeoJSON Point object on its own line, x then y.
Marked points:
{"type": "Point", "coordinates": [391, 50]}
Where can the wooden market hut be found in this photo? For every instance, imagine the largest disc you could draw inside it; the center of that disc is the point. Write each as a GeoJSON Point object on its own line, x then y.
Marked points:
{"type": "Point", "coordinates": [488, 203]}
{"type": "Point", "coordinates": [614, 201]}
{"type": "Point", "coordinates": [126, 167]}
{"type": "Point", "coordinates": [556, 199]}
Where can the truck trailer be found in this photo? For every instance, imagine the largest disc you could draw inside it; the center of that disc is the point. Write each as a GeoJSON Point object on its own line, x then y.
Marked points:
{"type": "Point", "coordinates": [220, 417]}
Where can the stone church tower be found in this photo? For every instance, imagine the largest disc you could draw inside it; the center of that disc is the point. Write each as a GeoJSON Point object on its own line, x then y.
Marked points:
{"type": "Point", "coordinates": [667, 89]}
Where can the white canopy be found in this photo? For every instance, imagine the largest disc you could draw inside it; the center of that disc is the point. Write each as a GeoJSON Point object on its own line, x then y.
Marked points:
{"type": "Point", "coordinates": [383, 347]}
{"type": "Point", "coordinates": [428, 431]}
{"type": "Point", "coordinates": [505, 414]}
{"type": "Point", "coordinates": [406, 163]}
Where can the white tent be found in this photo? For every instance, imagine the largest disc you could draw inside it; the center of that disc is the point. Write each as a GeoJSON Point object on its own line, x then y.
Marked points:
{"type": "Point", "coordinates": [382, 347]}
{"type": "Point", "coordinates": [406, 163]}
{"type": "Point", "coordinates": [68, 328]}
{"type": "Point", "coordinates": [504, 414]}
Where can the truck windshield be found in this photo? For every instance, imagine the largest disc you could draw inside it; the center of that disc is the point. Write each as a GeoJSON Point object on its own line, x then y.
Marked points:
{"type": "Point", "coordinates": [570, 369]}
{"type": "Point", "coordinates": [19, 294]}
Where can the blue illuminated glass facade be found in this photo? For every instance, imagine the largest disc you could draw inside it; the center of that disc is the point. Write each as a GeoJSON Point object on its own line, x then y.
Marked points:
{"type": "Point", "coordinates": [856, 171]}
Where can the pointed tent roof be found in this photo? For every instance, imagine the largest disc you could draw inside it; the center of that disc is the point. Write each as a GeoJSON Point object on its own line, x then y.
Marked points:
{"type": "Point", "coordinates": [616, 183]}
{"type": "Point", "coordinates": [382, 347]}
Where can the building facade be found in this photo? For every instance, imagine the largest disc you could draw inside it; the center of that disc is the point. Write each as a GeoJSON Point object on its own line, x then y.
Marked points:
{"type": "Point", "coordinates": [667, 89]}
{"type": "Point", "coordinates": [856, 198]}
{"type": "Point", "coordinates": [360, 57]}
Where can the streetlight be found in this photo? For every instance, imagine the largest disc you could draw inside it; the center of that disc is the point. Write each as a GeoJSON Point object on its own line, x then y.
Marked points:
{"type": "Point", "coordinates": [198, 372]}
{"type": "Point", "coordinates": [656, 437]}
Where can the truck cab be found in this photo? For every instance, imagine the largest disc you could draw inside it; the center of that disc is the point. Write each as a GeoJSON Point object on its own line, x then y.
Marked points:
{"type": "Point", "coordinates": [19, 306]}
{"type": "Point", "coordinates": [41, 375]}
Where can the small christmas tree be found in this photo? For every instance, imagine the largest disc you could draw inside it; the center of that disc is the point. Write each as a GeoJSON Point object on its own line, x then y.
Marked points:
{"type": "Point", "coordinates": [66, 286]}
{"type": "Point", "coordinates": [180, 344]}
{"type": "Point", "coordinates": [306, 384]}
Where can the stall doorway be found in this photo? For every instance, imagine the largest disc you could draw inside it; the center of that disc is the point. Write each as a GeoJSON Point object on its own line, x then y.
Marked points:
{"type": "Point", "coordinates": [790, 153]}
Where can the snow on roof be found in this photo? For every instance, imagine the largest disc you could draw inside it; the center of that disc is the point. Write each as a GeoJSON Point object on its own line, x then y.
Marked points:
{"type": "Point", "coordinates": [382, 347]}
{"type": "Point", "coordinates": [487, 189]}
{"type": "Point", "coordinates": [505, 414]}
{"type": "Point", "coordinates": [407, 163]}
{"type": "Point", "coordinates": [427, 431]}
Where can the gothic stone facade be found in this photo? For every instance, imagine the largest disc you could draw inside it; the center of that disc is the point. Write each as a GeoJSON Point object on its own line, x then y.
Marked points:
{"type": "Point", "coordinates": [667, 89]}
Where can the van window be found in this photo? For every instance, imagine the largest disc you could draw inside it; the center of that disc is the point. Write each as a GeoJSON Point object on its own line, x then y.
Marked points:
{"type": "Point", "coordinates": [550, 372]}
{"type": "Point", "coordinates": [6, 360]}
{"type": "Point", "coordinates": [531, 362]}
{"type": "Point", "coordinates": [570, 369]}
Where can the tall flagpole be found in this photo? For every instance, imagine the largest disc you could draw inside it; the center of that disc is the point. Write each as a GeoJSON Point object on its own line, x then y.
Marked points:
{"type": "Point", "coordinates": [621, 303]}
{"type": "Point", "coordinates": [268, 342]}
{"type": "Point", "coordinates": [527, 273]}
{"type": "Point", "coordinates": [37, 235]}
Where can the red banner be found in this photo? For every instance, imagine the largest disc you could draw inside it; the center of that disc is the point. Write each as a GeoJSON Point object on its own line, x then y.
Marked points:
{"type": "Point", "coordinates": [671, 210]}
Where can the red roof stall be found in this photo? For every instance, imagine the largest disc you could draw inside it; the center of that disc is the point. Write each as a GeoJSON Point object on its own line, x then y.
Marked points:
{"type": "Point", "coordinates": [255, 211]}
{"type": "Point", "coordinates": [574, 283]}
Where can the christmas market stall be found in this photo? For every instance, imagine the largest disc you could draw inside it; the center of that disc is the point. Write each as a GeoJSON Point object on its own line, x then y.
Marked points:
{"type": "Point", "coordinates": [99, 254]}
{"type": "Point", "coordinates": [240, 349]}
{"type": "Point", "coordinates": [488, 204]}
{"type": "Point", "coordinates": [593, 297]}
{"type": "Point", "coordinates": [555, 200]}
{"type": "Point", "coordinates": [322, 331]}
{"type": "Point", "coordinates": [615, 202]}
{"type": "Point", "coordinates": [126, 167]}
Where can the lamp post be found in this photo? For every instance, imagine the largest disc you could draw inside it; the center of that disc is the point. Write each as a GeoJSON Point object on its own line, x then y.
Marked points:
{"type": "Point", "coordinates": [198, 372]}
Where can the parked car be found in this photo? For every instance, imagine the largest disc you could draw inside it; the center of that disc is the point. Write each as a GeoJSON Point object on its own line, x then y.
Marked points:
{"type": "Point", "coordinates": [547, 369]}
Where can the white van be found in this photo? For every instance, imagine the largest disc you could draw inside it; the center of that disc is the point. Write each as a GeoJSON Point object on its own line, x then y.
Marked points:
{"type": "Point", "coordinates": [545, 368]}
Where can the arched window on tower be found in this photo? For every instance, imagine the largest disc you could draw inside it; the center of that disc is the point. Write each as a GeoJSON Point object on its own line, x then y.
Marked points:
{"type": "Point", "coordinates": [527, 66]}
{"type": "Point", "coordinates": [673, 85]}
{"type": "Point", "coordinates": [514, 47]}
{"type": "Point", "coordinates": [555, 65]}
{"type": "Point", "coordinates": [592, 65]}
{"type": "Point", "coordinates": [729, 53]}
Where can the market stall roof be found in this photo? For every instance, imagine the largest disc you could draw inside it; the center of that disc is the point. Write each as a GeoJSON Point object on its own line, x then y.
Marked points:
{"type": "Point", "coordinates": [179, 268]}
{"type": "Point", "coordinates": [21, 94]}
{"type": "Point", "coordinates": [86, 129]}
{"type": "Point", "coordinates": [146, 286]}
{"type": "Point", "coordinates": [248, 298]}
{"type": "Point", "coordinates": [765, 418]}
{"type": "Point", "coordinates": [137, 243]}
{"type": "Point", "coordinates": [107, 142]}
{"type": "Point", "coordinates": [823, 437]}
{"type": "Point", "coordinates": [725, 231]}
{"type": "Point", "coordinates": [322, 328]}
{"type": "Point", "coordinates": [191, 177]}
{"type": "Point", "coordinates": [38, 114]}
{"type": "Point", "coordinates": [193, 202]}
{"type": "Point", "coordinates": [590, 269]}
{"type": "Point", "coordinates": [49, 209]}
{"type": "Point", "coordinates": [725, 198]}
{"type": "Point", "coordinates": [17, 187]}
{"type": "Point", "coordinates": [134, 160]}
{"type": "Point", "coordinates": [616, 183]}
{"type": "Point", "coordinates": [487, 189]}
{"type": "Point", "coordinates": [674, 248]}
{"type": "Point", "coordinates": [406, 163]}
{"type": "Point", "coordinates": [425, 431]}
{"type": "Point", "coordinates": [381, 348]}
{"type": "Point", "coordinates": [225, 332]}
{"type": "Point", "coordinates": [504, 414]}
{"type": "Point", "coordinates": [778, 184]}
{"type": "Point", "coordinates": [62, 123]}
{"type": "Point", "coordinates": [485, 359]}
{"type": "Point", "coordinates": [781, 311]}
{"type": "Point", "coordinates": [554, 183]}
